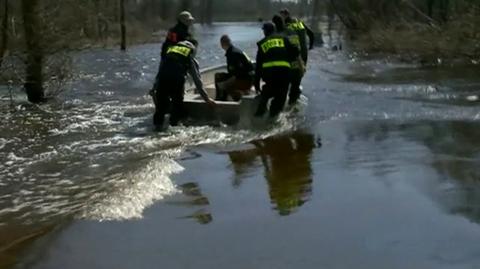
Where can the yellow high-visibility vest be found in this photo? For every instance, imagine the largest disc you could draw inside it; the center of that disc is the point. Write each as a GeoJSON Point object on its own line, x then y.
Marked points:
{"type": "Point", "coordinates": [184, 51]}
{"type": "Point", "coordinates": [273, 43]}
{"type": "Point", "coordinates": [276, 64]}
{"type": "Point", "coordinates": [296, 26]}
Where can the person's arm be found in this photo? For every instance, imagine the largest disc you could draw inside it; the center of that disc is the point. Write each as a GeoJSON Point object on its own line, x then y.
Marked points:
{"type": "Point", "coordinates": [156, 84]}
{"type": "Point", "coordinates": [164, 49]}
{"type": "Point", "coordinates": [232, 66]}
{"type": "Point", "coordinates": [311, 36]}
{"type": "Point", "coordinates": [245, 60]}
{"type": "Point", "coordinates": [194, 72]}
{"type": "Point", "coordinates": [258, 70]}
{"type": "Point", "coordinates": [170, 39]}
{"type": "Point", "coordinates": [246, 63]}
{"type": "Point", "coordinates": [293, 51]}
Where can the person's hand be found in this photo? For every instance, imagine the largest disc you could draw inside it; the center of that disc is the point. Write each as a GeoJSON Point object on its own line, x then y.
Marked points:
{"type": "Point", "coordinates": [257, 89]}
{"type": "Point", "coordinates": [303, 68]}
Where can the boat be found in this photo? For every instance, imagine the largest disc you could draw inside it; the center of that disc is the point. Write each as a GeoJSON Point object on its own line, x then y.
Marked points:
{"type": "Point", "coordinates": [226, 112]}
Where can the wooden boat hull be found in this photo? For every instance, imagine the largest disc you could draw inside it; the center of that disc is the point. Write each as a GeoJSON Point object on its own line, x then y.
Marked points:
{"type": "Point", "coordinates": [228, 112]}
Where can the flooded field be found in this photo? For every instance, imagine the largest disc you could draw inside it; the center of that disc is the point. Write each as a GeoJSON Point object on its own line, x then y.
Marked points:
{"type": "Point", "coordinates": [379, 170]}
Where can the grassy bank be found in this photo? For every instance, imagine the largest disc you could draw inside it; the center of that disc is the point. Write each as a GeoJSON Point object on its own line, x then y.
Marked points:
{"type": "Point", "coordinates": [414, 32]}
{"type": "Point", "coordinates": [458, 42]}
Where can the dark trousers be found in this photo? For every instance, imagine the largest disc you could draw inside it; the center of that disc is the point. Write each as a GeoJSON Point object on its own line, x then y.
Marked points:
{"type": "Point", "coordinates": [276, 87]}
{"type": "Point", "coordinates": [169, 94]}
{"type": "Point", "coordinates": [304, 57]}
{"type": "Point", "coordinates": [228, 85]}
{"type": "Point", "coordinates": [295, 83]}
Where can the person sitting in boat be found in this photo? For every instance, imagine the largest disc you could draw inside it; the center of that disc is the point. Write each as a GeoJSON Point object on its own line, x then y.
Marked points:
{"type": "Point", "coordinates": [239, 79]}
{"type": "Point", "coordinates": [169, 87]}
{"type": "Point", "coordinates": [274, 57]}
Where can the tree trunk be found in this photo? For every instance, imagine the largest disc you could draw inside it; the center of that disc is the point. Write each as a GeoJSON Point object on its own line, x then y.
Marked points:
{"type": "Point", "coordinates": [123, 28]}
{"type": "Point", "coordinates": [203, 9]}
{"type": "Point", "coordinates": [209, 11]}
{"type": "Point", "coordinates": [444, 10]}
{"type": "Point", "coordinates": [315, 15]}
{"type": "Point", "coordinates": [98, 30]}
{"type": "Point", "coordinates": [185, 5]}
{"type": "Point", "coordinates": [34, 77]}
{"type": "Point", "coordinates": [164, 10]}
{"type": "Point", "coordinates": [303, 7]}
{"type": "Point", "coordinates": [316, 9]}
{"type": "Point", "coordinates": [5, 35]}
{"type": "Point", "coordinates": [430, 7]}
{"type": "Point", "coordinates": [346, 20]}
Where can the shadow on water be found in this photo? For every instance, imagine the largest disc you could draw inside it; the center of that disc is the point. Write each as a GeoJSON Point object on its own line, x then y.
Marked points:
{"type": "Point", "coordinates": [17, 239]}
{"type": "Point", "coordinates": [286, 160]}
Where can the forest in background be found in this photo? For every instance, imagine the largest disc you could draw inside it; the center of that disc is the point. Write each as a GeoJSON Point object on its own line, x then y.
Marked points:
{"type": "Point", "coordinates": [36, 36]}
{"type": "Point", "coordinates": [429, 31]}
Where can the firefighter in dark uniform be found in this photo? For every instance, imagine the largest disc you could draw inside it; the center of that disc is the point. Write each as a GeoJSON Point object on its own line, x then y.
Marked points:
{"type": "Point", "coordinates": [180, 32]}
{"type": "Point", "coordinates": [239, 79]}
{"type": "Point", "coordinates": [274, 57]}
{"type": "Point", "coordinates": [298, 66]}
{"type": "Point", "coordinates": [302, 30]}
{"type": "Point", "coordinates": [169, 87]}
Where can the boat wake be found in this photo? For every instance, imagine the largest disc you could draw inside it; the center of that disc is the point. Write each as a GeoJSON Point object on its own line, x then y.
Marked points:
{"type": "Point", "coordinates": [100, 162]}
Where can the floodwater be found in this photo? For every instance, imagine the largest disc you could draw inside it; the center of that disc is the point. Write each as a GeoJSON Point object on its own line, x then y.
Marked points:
{"type": "Point", "coordinates": [379, 170]}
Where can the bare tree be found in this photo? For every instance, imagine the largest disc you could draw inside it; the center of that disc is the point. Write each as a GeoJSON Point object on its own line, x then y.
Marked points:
{"type": "Point", "coordinates": [206, 11]}
{"type": "Point", "coordinates": [430, 7]}
{"type": "Point", "coordinates": [164, 9]}
{"type": "Point", "coordinates": [444, 10]}
{"type": "Point", "coordinates": [123, 28]}
{"type": "Point", "coordinates": [5, 35]}
{"type": "Point", "coordinates": [209, 11]}
{"type": "Point", "coordinates": [185, 5]}
{"type": "Point", "coordinates": [34, 77]}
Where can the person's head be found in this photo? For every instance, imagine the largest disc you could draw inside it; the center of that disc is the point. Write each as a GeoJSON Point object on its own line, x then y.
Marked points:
{"type": "Point", "coordinates": [268, 28]}
{"type": "Point", "coordinates": [186, 18]}
{"type": "Point", "coordinates": [279, 24]}
{"type": "Point", "coordinates": [285, 13]}
{"type": "Point", "coordinates": [225, 42]}
{"type": "Point", "coordinates": [194, 42]}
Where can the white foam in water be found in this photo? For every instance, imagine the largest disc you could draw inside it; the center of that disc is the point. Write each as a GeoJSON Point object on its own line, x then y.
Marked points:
{"type": "Point", "coordinates": [3, 142]}
{"type": "Point", "coordinates": [141, 189]}
{"type": "Point", "coordinates": [472, 98]}
{"type": "Point", "coordinates": [118, 193]}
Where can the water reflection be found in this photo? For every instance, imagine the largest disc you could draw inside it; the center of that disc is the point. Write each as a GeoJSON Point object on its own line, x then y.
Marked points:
{"type": "Point", "coordinates": [195, 198]}
{"type": "Point", "coordinates": [450, 148]}
{"type": "Point", "coordinates": [287, 164]}
{"type": "Point", "coordinates": [456, 148]}
{"type": "Point", "coordinates": [17, 239]}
